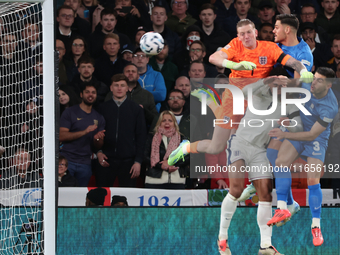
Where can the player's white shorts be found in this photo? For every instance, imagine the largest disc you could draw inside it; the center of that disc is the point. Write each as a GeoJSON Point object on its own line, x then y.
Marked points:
{"type": "Point", "coordinates": [256, 162]}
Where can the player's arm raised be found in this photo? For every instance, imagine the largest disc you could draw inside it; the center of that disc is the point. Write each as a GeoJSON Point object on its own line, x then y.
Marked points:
{"type": "Point", "coordinates": [310, 135]}
{"type": "Point", "coordinates": [305, 76]}
{"type": "Point", "coordinates": [220, 59]}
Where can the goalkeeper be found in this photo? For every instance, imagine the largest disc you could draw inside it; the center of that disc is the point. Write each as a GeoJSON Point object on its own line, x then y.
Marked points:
{"type": "Point", "coordinates": [249, 61]}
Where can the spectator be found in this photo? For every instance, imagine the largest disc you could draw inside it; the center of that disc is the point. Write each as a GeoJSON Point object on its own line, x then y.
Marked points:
{"type": "Point", "coordinates": [30, 42]}
{"type": "Point", "coordinates": [309, 14]}
{"type": "Point", "coordinates": [282, 7]}
{"type": "Point", "coordinates": [108, 22]}
{"type": "Point", "coordinates": [96, 197]}
{"type": "Point", "coordinates": [81, 128]}
{"type": "Point", "coordinates": [137, 94]}
{"type": "Point", "coordinates": [140, 32]}
{"type": "Point", "coordinates": [122, 152]}
{"type": "Point", "coordinates": [165, 139]}
{"type": "Point", "coordinates": [109, 63]}
{"type": "Point", "coordinates": [329, 19]}
{"type": "Point", "coordinates": [266, 12]}
{"type": "Point", "coordinates": [85, 77]}
{"type": "Point", "coordinates": [78, 49]}
{"type": "Point", "coordinates": [87, 9]}
{"type": "Point", "coordinates": [335, 60]}
{"type": "Point", "coordinates": [33, 88]}
{"type": "Point", "coordinates": [266, 32]}
{"type": "Point", "coordinates": [128, 22]}
{"type": "Point", "coordinates": [197, 52]}
{"type": "Point", "coordinates": [60, 47]}
{"type": "Point", "coordinates": [65, 179]}
{"type": "Point", "coordinates": [193, 33]}
{"type": "Point", "coordinates": [158, 18]}
{"type": "Point", "coordinates": [224, 9]}
{"type": "Point", "coordinates": [242, 8]}
{"type": "Point", "coordinates": [65, 20]}
{"type": "Point", "coordinates": [179, 20]}
{"type": "Point", "coordinates": [149, 79]}
{"type": "Point", "coordinates": [67, 98]}
{"type": "Point", "coordinates": [214, 36]}
{"type": "Point", "coordinates": [321, 52]}
{"type": "Point", "coordinates": [162, 63]}
{"type": "Point", "coordinates": [127, 53]}
{"type": "Point", "coordinates": [20, 174]}
{"type": "Point", "coordinates": [197, 74]}
{"type": "Point", "coordinates": [80, 26]}
{"type": "Point", "coordinates": [119, 201]}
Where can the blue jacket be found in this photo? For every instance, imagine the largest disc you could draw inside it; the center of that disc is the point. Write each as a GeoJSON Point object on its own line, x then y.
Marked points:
{"type": "Point", "coordinates": [153, 81]}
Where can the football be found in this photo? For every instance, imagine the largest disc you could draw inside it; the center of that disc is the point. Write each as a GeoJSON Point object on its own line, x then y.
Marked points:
{"type": "Point", "coordinates": [151, 43]}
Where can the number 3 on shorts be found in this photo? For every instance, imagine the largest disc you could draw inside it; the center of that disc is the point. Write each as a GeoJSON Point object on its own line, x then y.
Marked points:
{"type": "Point", "coordinates": [316, 146]}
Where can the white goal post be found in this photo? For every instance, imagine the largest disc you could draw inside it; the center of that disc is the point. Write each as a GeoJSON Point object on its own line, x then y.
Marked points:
{"type": "Point", "coordinates": [28, 171]}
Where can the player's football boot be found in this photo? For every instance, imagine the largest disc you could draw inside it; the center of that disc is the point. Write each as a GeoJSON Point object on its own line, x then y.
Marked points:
{"type": "Point", "coordinates": [247, 193]}
{"type": "Point", "coordinates": [293, 208]}
{"type": "Point", "coordinates": [279, 215]}
{"type": "Point", "coordinates": [317, 236]}
{"type": "Point", "coordinates": [269, 251]}
{"type": "Point", "coordinates": [178, 154]}
{"type": "Point", "coordinates": [223, 247]}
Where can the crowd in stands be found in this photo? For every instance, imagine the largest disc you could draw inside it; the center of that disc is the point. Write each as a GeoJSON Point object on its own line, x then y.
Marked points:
{"type": "Point", "coordinates": [122, 112]}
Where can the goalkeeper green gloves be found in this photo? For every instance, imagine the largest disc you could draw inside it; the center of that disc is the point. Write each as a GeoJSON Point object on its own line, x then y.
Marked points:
{"type": "Point", "coordinates": [305, 76]}
{"type": "Point", "coordinates": [243, 65]}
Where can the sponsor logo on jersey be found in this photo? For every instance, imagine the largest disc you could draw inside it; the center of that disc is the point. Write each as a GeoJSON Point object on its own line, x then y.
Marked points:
{"type": "Point", "coordinates": [263, 60]}
{"type": "Point", "coordinates": [325, 119]}
{"type": "Point", "coordinates": [227, 47]}
{"type": "Point", "coordinates": [305, 62]}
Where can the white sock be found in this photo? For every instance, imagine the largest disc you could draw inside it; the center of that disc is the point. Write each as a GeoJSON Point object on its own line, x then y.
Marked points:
{"type": "Point", "coordinates": [316, 222]}
{"type": "Point", "coordinates": [282, 204]}
{"type": "Point", "coordinates": [264, 214]}
{"type": "Point", "coordinates": [228, 209]}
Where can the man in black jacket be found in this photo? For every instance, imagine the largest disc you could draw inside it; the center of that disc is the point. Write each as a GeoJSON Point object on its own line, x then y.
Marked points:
{"type": "Point", "coordinates": [123, 149]}
{"type": "Point", "coordinates": [108, 21]}
{"type": "Point", "coordinates": [85, 77]}
{"type": "Point", "coordinates": [137, 94]}
{"type": "Point", "coordinates": [214, 35]}
{"type": "Point", "coordinates": [109, 63]}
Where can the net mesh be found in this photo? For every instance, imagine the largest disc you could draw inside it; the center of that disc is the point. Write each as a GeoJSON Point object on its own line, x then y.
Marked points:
{"type": "Point", "coordinates": [21, 113]}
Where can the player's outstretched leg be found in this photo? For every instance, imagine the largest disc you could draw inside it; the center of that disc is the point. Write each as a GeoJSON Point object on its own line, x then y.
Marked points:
{"type": "Point", "coordinates": [293, 209]}
{"type": "Point", "coordinates": [315, 200]}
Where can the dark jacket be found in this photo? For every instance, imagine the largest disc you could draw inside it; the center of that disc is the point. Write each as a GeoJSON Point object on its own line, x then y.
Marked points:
{"type": "Point", "coordinates": [321, 54]}
{"type": "Point", "coordinates": [331, 26]}
{"type": "Point", "coordinates": [217, 38]}
{"type": "Point", "coordinates": [105, 68]}
{"type": "Point", "coordinates": [125, 130]}
{"type": "Point", "coordinates": [77, 85]}
{"type": "Point", "coordinates": [128, 25]}
{"type": "Point", "coordinates": [81, 27]}
{"type": "Point", "coordinates": [143, 97]}
{"type": "Point", "coordinates": [156, 171]}
{"type": "Point", "coordinates": [172, 40]}
{"type": "Point", "coordinates": [68, 180]}
{"type": "Point", "coordinates": [97, 40]}
{"type": "Point", "coordinates": [169, 72]}
{"type": "Point", "coordinates": [11, 181]}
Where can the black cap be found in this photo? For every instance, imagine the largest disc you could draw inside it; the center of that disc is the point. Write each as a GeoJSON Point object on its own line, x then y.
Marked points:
{"type": "Point", "coordinates": [306, 25]}
{"type": "Point", "coordinates": [97, 196]}
{"type": "Point", "coordinates": [265, 3]}
{"type": "Point", "coordinates": [117, 199]}
{"type": "Point", "coordinates": [128, 48]}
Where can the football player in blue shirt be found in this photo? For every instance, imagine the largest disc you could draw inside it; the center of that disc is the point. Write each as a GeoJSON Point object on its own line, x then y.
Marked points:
{"type": "Point", "coordinates": [310, 144]}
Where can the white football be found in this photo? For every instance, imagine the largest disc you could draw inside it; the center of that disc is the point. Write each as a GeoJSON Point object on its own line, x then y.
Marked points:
{"type": "Point", "coordinates": [151, 43]}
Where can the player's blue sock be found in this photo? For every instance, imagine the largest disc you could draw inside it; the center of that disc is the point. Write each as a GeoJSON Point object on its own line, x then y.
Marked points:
{"type": "Point", "coordinates": [272, 156]}
{"type": "Point", "coordinates": [283, 181]}
{"type": "Point", "coordinates": [315, 200]}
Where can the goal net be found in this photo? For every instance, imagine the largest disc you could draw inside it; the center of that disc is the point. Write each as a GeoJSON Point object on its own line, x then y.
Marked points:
{"type": "Point", "coordinates": [22, 134]}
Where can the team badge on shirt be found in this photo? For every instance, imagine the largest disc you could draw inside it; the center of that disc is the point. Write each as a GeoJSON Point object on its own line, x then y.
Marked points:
{"type": "Point", "coordinates": [263, 60]}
